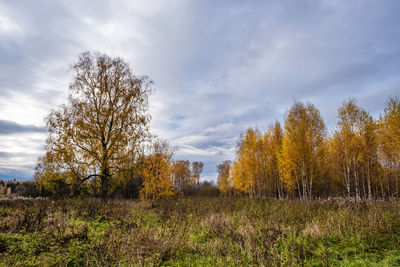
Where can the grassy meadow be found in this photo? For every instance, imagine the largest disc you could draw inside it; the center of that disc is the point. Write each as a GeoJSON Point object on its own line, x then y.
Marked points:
{"type": "Point", "coordinates": [199, 231]}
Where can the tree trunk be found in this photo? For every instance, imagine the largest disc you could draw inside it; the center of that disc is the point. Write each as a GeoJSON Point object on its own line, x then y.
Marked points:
{"type": "Point", "coordinates": [362, 187]}
{"type": "Point", "coordinates": [356, 182]}
{"type": "Point", "coordinates": [105, 177]}
{"type": "Point", "coordinates": [397, 183]}
{"type": "Point", "coordinates": [298, 189]}
{"type": "Point", "coordinates": [369, 181]}
{"type": "Point", "coordinates": [310, 189]}
{"type": "Point", "coordinates": [347, 180]}
{"type": "Point", "coordinates": [279, 188]}
{"type": "Point", "coordinates": [347, 175]}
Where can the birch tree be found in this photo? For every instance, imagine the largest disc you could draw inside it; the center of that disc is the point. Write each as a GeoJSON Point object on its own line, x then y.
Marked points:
{"type": "Point", "coordinates": [97, 135]}
{"type": "Point", "coordinates": [302, 161]}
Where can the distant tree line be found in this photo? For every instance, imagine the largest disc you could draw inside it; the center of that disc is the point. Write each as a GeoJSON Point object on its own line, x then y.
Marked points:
{"type": "Point", "coordinates": [19, 188]}
{"type": "Point", "coordinates": [360, 159]}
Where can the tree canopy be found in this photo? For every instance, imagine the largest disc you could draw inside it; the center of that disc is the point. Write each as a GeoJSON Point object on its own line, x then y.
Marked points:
{"type": "Point", "coordinates": [98, 134]}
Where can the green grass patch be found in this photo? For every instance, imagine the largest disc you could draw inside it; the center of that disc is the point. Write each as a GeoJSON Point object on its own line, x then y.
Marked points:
{"type": "Point", "coordinates": [199, 232]}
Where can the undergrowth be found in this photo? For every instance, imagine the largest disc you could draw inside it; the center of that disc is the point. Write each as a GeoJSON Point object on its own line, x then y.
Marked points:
{"type": "Point", "coordinates": [199, 232]}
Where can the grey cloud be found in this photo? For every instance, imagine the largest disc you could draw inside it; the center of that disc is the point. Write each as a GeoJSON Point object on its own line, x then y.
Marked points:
{"type": "Point", "coordinates": [241, 63]}
{"type": "Point", "coordinates": [8, 155]}
{"type": "Point", "coordinates": [10, 127]}
{"type": "Point", "coordinates": [4, 154]}
{"type": "Point", "coordinates": [210, 142]}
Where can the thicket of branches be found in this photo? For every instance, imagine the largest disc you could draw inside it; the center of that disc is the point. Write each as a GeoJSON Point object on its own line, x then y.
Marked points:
{"type": "Point", "coordinates": [360, 159]}
{"type": "Point", "coordinates": [99, 143]}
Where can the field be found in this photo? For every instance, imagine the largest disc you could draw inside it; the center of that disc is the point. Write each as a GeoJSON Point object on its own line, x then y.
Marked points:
{"type": "Point", "coordinates": [199, 232]}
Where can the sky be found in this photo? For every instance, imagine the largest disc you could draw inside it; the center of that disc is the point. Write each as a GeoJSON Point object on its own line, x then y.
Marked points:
{"type": "Point", "coordinates": [218, 67]}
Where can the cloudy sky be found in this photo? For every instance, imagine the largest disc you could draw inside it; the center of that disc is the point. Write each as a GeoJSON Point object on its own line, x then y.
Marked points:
{"type": "Point", "coordinates": [218, 66]}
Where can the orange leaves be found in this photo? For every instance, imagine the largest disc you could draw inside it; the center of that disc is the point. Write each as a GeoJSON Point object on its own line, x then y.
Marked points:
{"type": "Point", "coordinates": [389, 144]}
{"type": "Point", "coordinates": [255, 170]}
{"type": "Point", "coordinates": [182, 174]}
{"type": "Point", "coordinates": [158, 173]}
{"type": "Point", "coordinates": [157, 178]}
{"type": "Point", "coordinates": [186, 176]}
{"type": "Point", "coordinates": [361, 158]}
{"type": "Point", "coordinates": [353, 150]}
{"type": "Point", "coordinates": [277, 162]}
{"type": "Point", "coordinates": [303, 149]}
{"type": "Point", "coordinates": [390, 130]}
{"type": "Point", "coordinates": [224, 179]}
{"type": "Point", "coordinates": [101, 128]}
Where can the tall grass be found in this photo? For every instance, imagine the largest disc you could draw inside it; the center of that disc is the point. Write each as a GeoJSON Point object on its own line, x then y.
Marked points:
{"type": "Point", "coordinates": [199, 231]}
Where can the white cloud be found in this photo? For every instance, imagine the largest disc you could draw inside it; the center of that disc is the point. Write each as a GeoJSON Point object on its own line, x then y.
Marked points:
{"type": "Point", "coordinates": [9, 25]}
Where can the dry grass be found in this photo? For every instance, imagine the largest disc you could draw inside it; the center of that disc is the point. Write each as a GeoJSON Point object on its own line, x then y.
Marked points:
{"type": "Point", "coordinates": [198, 231]}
